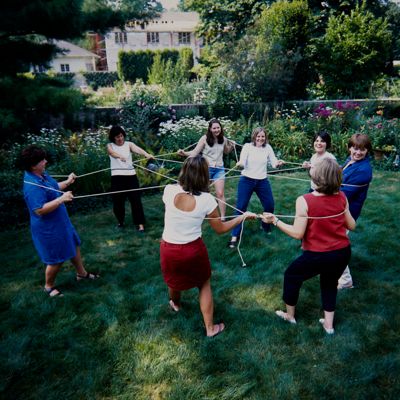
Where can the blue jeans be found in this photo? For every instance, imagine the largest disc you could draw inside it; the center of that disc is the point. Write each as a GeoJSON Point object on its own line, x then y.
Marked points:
{"type": "Point", "coordinates": [262, 188]}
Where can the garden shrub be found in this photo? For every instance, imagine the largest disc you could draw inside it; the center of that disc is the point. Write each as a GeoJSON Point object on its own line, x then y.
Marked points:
{"type": "Point", "coordinates": [133, 65]}
{"type": "Point", "coordinates": [142, 113]}
{"type": "Point", "coordinates": [100, 79]}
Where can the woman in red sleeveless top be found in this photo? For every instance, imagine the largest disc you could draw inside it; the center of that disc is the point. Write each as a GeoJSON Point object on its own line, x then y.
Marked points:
{"type": "Point", "coordinates": [322, 218]}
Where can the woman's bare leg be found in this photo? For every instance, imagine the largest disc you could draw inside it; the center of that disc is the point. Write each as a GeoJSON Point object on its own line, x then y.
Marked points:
{"type": "Point", "coordinates": [207, 309]}
{"type": "Point", "coordinates": [51, 274]}
{"type": "Point", "coordinates": [220, 193]}
{"type": "Point", "coordinates": [175, 296]}
{"type": "Point", "coordinates": [78, 264]}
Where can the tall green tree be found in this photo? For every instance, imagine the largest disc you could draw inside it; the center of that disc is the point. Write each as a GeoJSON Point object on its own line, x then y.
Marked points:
{"type": "Point", "coordinates": [353, 52]}
{"type": "Point", "coordinates": [225, 20]}
{"type": "Point", "coordinates": [28, 29]}
{"type": "Point", "coordinates": [270, 62]}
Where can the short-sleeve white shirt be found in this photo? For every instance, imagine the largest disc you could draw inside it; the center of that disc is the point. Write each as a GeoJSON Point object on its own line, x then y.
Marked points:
{"type": "Point", "coordinates": [181, 227]}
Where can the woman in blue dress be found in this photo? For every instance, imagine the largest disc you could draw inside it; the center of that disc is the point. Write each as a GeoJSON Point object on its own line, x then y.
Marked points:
{"type": "Point", "coordinates": [53, 234]}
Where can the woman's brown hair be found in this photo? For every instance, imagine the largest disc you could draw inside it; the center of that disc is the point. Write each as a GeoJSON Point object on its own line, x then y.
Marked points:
{"type": "Point", "coordinates": [31, 156]}
{"type": "Point", "coordinates": [256, 131]}
{"type": "Point", "coordinates": [360, 141]}
{"type": "Point", "coordinates": [327, 176]}
{"type": "Point", "coordinates": [194, 176]}
{"type": "Point", "coordinates": [210, 139]}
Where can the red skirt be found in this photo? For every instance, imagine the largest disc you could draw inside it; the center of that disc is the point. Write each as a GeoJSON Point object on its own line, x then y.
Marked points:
{"type": "Point", "coordinates": [185, 266]}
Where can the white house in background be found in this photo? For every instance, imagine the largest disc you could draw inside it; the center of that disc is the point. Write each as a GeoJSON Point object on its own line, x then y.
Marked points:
{"type": "Point", "coordinates": [73, 59]}
{"type": "Point", "coordinates": [172, 30]}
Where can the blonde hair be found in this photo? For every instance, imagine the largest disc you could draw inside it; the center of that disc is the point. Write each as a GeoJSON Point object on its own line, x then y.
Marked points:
{"type": "Point", "coordinates": [327, 176]}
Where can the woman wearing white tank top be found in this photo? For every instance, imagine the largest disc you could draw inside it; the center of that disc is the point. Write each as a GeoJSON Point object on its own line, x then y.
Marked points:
{"type": "Point", "coordinates": [123, 177]}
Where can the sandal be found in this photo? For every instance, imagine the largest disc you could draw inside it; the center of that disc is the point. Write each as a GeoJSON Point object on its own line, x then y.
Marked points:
{"type": "Point", "coordinates": [220, 329]}
{"type": "Point", "coordinates": [53, 292]}
{"type": "Point", "coordinates": [284, 316]}
{"type": "Point", "coordinates": [329, 331]}
{"type": "Point", "coordinates": [173, 306]}
{"type": "Point", "coordinates": [232, 244]}
{"type": "Point", "coordinates": [89, 275]}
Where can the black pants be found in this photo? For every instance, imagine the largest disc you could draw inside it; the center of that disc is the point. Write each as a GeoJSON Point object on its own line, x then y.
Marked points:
{"type": "Point", "coordinates": [121, 182]}
{"type": "Point", "coordinates": [328, 265]}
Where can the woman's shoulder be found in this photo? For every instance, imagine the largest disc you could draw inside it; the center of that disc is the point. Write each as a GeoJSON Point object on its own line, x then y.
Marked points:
{"type": "Point", "coordinates": [268, 147]}
{"type": "Point", "coordinates": [330, 155]}
{"type": "Point", "coordinates": [173, 187]}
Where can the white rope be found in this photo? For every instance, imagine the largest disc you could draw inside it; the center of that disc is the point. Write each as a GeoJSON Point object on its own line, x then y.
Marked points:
{"type": "Point", "coordinates": [286, 169]}
{"type": "Point", "coordinates": [234, 148]}
{"type": "Point", "coordinates": [308, 217]}
{"type": "Point", "coordinates": [43, 186]}
{"type": "Point", "coordinates": [223, 176]}
{"type": "Point", "coordinates": [154, 172]}
{"type": "Point", "coordinates": [94, 172]}
{"type": "Point", "coordinates": [294, 163]}
{"type": "Point", "coordinates": [118, 191]}
{"type": "Point", "coordinates": [240, 242]}
{"type": "Point", "coordinates": [166, 160]}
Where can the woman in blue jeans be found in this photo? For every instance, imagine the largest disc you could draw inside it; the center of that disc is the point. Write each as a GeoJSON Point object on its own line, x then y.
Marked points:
{"type": "Point", "coordinates": [254, 159]}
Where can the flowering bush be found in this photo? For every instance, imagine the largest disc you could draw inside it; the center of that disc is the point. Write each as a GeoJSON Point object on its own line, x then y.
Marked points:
{"type": "Point", "coordinates": [187, 131]}
{"type": "Point", "coordinates": [384, 133]}
{"type": "Point", "coordinates": [79, 152]}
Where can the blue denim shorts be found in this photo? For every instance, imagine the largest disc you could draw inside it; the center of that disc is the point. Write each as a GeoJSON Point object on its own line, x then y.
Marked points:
{"type": "Point", "coordinates": [216, 173]}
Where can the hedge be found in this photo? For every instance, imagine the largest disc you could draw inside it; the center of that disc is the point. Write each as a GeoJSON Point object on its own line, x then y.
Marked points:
{"type": "Point", "coordinates": [133, 65]}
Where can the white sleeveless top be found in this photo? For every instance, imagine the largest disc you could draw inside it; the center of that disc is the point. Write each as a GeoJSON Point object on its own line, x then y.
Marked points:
{"type": "Point", "coordinates": [214, 154]}
{"type": "Point", "coordinates": [181, 227]}
{"type": "Point", "coordinates": [119, 167]}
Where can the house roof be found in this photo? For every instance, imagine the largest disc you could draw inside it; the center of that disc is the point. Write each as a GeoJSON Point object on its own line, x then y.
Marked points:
{"type": "Point", "coordinates": [71, 50]}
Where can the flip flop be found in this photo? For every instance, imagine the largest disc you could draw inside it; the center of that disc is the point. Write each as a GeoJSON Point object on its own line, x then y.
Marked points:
{"type": "Point", "coordinates": [284, 316]}
{"type": "Point", "coordinates": [221, 328]}
{"type": "Point", "coordinates": [53, 292]}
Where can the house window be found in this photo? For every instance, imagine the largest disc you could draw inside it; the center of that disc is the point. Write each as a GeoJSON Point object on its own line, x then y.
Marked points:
{"type": "Point", "coordinates": [39, 69]}
{"type": "Point", "coordinates": [64, 67]}
{"type": "Point", "coordinates": [184, 37]}
{"type": "Point", "coordinates": [89, 67]}
{"type": "Point", "coordinates": [120, 37]}
{"type": "Point", "coordinates": [153, 37]}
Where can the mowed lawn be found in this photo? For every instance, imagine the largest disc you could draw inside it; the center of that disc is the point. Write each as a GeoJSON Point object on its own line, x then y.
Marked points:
{"type": "Point", "coordinates": [116, 338]}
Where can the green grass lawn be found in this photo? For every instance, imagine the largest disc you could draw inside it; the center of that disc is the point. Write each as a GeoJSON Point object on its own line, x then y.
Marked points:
{"type": "Point", "coordinates": [116, 338]}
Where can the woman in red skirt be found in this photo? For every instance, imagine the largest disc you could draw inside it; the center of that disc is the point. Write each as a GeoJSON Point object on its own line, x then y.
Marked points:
{"type": "Point", "coordinates": [183, 255]}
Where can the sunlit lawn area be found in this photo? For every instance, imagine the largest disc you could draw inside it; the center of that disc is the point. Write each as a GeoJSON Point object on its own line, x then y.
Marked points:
{"type": "Point", "coordinates": [116, 338]}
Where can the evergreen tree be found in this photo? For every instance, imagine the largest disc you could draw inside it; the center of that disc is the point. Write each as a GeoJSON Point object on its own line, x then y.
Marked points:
{"type": "Point", "coordinates": [27, 31]}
